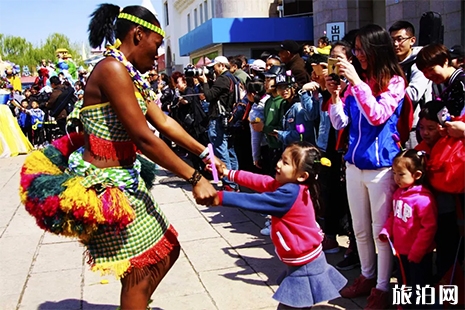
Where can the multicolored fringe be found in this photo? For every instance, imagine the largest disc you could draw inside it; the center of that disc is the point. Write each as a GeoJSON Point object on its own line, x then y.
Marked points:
{"type": "Point", "coordinates": [61, 204]}
{"type": "Point", "coordinates": [150, 257]}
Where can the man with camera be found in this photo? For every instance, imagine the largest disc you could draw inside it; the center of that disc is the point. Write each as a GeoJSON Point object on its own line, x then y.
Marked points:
{"type": "Point", "coordinates": [221, 96]}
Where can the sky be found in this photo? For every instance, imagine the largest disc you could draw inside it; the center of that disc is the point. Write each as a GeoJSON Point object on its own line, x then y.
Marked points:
{"type": "Point", "coordinates": [35, 20]}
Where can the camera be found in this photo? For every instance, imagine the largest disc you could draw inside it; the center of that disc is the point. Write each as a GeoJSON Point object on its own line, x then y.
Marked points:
{"type": "Point", "coordinates": [224, 116]}
{"type": "Point", "coordinates": [191, 71]}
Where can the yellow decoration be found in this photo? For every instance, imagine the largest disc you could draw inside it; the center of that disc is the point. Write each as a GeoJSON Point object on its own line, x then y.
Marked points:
{"type": "Point", "coordinates": [325, 162]}
{"type": "Point", "coordinates": [142, 22]}
{"type": "Point", "coordinates": [38, 163]}
{"type": "Point", "coordinates": [116, 268]}
{"type": "Point", "coordinates": [76, 196]}
{"type": "Point", "coordinates": [22, 195]}
{"type": "Point", "coordinates": [61, 50]}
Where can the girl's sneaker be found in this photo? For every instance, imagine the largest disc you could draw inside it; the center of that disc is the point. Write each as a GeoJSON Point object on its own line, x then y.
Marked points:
{"type": "Point", "coordinates": [361, 286]}
{"type": "Point", "coordinates": [378, 300]}
{"type": "Point", "coordinates": [349, 262]}
{"type": "Point", "coordinates": [351, 259]}
{"type": "Point", "coordinates": [266, 231]}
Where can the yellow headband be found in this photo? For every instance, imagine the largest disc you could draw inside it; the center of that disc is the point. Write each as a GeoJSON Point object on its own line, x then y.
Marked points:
{"type": "Point", "coordinates": [142, 22]}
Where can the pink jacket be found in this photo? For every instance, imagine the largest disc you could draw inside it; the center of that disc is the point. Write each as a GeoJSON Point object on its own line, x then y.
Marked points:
{"type": "Point", "coordinates": [412, 224]}
{"type": "Point", "coordinates": [295, 233]}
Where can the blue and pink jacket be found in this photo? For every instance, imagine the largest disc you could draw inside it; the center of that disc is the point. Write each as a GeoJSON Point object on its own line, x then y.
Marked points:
{"type": "Point", "coordinates": [372, 123]}
{"type": "Point", "coordinates": [295, 233]}
{"type": "Point", "coordinates": [412, 223]}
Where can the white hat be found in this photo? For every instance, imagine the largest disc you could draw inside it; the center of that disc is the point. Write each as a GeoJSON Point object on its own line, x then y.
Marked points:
{"type": "Point", "coordinates": [219, 60]}
{"type": "Point", "coordinates": [258, 65]}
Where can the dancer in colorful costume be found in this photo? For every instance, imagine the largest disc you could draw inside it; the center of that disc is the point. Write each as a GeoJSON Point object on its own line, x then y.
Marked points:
{"type": "Point", "coordinates": [94, 186]}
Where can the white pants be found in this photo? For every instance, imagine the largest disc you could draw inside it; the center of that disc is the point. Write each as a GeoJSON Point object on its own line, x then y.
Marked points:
{"type": "Point", "coordinates": [370, 201]}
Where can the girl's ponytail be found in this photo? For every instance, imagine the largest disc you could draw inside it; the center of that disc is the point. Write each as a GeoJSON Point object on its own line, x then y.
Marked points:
{"type": "Point", "coordinates": [307, 158]}
{"type": "Point", "coordinates": [102, 24]}
{"type": "Point", "coordinates": [314, 189]}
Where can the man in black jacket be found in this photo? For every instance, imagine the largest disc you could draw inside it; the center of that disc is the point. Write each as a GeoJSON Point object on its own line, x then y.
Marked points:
{"type": "Point", "coordinates": [221, 97]}
{"type": "Point", "coordinates": [289, 54]}
{"type": "Point", "coordinates": [60, 100]}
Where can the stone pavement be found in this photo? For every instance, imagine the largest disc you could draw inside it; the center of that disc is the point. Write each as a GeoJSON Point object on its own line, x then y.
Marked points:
{"type": "Point", "coordinates": [225, 263]}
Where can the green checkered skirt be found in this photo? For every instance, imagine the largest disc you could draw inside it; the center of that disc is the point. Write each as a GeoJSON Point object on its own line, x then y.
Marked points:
{"type": "Point", "coordinates": [145, 241]}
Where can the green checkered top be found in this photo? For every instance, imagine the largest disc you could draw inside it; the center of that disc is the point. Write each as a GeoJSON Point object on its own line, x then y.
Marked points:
{"type": "Point", "coordinates": [101, 120]}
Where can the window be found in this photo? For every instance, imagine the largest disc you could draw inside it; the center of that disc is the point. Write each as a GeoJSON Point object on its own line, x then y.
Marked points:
{"type": "Point", "coordinates": [167, 18]}
{"type": "Point", "coordinates": [201, 14]}
{"type": "Point", "coordinates": [188, 22]}
{"type": "Point", "coordinates": [195, 19]}
{"type": "Point", "coordinates": [213, 8]}
{"type": "Point", "coordinates": [205, 6]}
{"type": "Point", "coordinates": [297, 7]}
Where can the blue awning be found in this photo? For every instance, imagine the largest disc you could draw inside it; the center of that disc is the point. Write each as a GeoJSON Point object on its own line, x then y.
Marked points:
{"type": "Point", "coordinates": [246, 30]}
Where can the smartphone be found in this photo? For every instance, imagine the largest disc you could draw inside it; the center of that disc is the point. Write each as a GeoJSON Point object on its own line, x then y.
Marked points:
{"type": "Point", "coordinates": [444, 116]}
{"type": "Point", "coordinates": [332, 66]}
{"type": "Point", "coordinates": [318, 69]}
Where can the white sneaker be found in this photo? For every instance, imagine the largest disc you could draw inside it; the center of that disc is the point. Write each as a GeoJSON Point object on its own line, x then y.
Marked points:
{"type": "Point", "coordinates": [266, 231]}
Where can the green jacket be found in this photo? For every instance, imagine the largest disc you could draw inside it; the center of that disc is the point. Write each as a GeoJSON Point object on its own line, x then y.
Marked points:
{"type": "Point", "coordinates": [273, 120]}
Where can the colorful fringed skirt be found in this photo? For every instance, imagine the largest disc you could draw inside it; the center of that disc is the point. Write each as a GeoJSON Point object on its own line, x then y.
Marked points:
{"type": "Point", "coordinates": [110, 210]}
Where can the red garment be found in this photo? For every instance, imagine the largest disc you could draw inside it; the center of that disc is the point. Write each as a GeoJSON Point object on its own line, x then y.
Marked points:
{"type": "Point", "coordinates": [296, 235]}
{"type": "Point", "coordinates": [413, 222]}
{"type": "Point", "coordinates": [423, 147]}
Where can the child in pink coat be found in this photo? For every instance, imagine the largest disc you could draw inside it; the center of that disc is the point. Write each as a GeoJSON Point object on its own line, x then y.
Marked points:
{"type": "Point", "coordinates": [412, 223]}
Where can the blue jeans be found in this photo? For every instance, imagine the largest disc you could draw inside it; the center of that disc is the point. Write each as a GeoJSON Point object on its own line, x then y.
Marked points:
{"type": "Point", "coordinates": [223, 147]}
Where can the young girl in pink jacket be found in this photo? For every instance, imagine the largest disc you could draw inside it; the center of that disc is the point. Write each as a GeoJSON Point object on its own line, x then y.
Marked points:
{"type": "Point", "coordinates": [412, 223]}
{"type": "Point", "coordinates": [289, 198]}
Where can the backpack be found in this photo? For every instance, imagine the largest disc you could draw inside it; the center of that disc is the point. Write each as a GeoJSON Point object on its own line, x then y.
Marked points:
{"type": "Point", "coordinates": [239, 109]}
{"type": "Point", "coordinates": [431, 29]}
{"type": "Point", "coordinates": [446, 165]}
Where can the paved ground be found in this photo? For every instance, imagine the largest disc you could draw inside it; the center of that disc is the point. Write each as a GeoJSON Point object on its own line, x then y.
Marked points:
{"type": "Point", "coordinates": [225, 262]}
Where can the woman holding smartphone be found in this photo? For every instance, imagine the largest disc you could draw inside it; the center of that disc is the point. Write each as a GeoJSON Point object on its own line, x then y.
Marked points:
{"type": "Point", "coordinates": [370, 108]}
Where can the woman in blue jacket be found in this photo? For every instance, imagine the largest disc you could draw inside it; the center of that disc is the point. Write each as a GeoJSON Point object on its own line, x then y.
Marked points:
{"type": "Point", "coordinates": [370, 108]}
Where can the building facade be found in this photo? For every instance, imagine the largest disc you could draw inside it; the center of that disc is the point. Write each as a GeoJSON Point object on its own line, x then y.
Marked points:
{"type": "Point", "coordinates": [199, 30]}
{"type": "Point", "coordinates": [357, 13]}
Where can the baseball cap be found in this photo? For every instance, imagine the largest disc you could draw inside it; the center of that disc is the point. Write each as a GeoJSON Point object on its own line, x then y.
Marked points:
{"type": "Point", "coordinates": [274, 71]}
{"type": "Point", "coordinates": [456, 51]}
{"type": "Point", "coordinates": [258, 65]}
{"type": "Point", "coordinates": [289, 45]}
{"type": "Point", "coordinates": [285, 78]}
{"type": "Point", "coordinates": [219, 60]}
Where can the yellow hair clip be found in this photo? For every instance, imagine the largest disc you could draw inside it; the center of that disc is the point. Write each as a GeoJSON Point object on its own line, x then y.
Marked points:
{"type": "Point", "coordinates": [142, 22]}
{"type": "Point", "coordinates": [324, 162]}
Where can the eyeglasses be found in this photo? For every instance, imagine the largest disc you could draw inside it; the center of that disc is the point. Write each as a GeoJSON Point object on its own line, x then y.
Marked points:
{"type": "Point", "coordinates": [356, 51]}
{"type": "Point", "coordinates": [399, 40]}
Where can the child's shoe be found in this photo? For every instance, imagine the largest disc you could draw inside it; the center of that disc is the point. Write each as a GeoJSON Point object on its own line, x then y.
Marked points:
{"type": "Point", "coordinates": [351, 259]}
{"type": "Point", "coordinates": [377, 300]}
{"type": "Point", "coordinates": [361, 286]}
{"type": "Point", "coordinates": [266, 231]}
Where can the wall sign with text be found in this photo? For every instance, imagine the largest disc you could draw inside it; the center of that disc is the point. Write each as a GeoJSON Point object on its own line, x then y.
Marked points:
{"type": "Point", "coordinates": [335, 31]}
